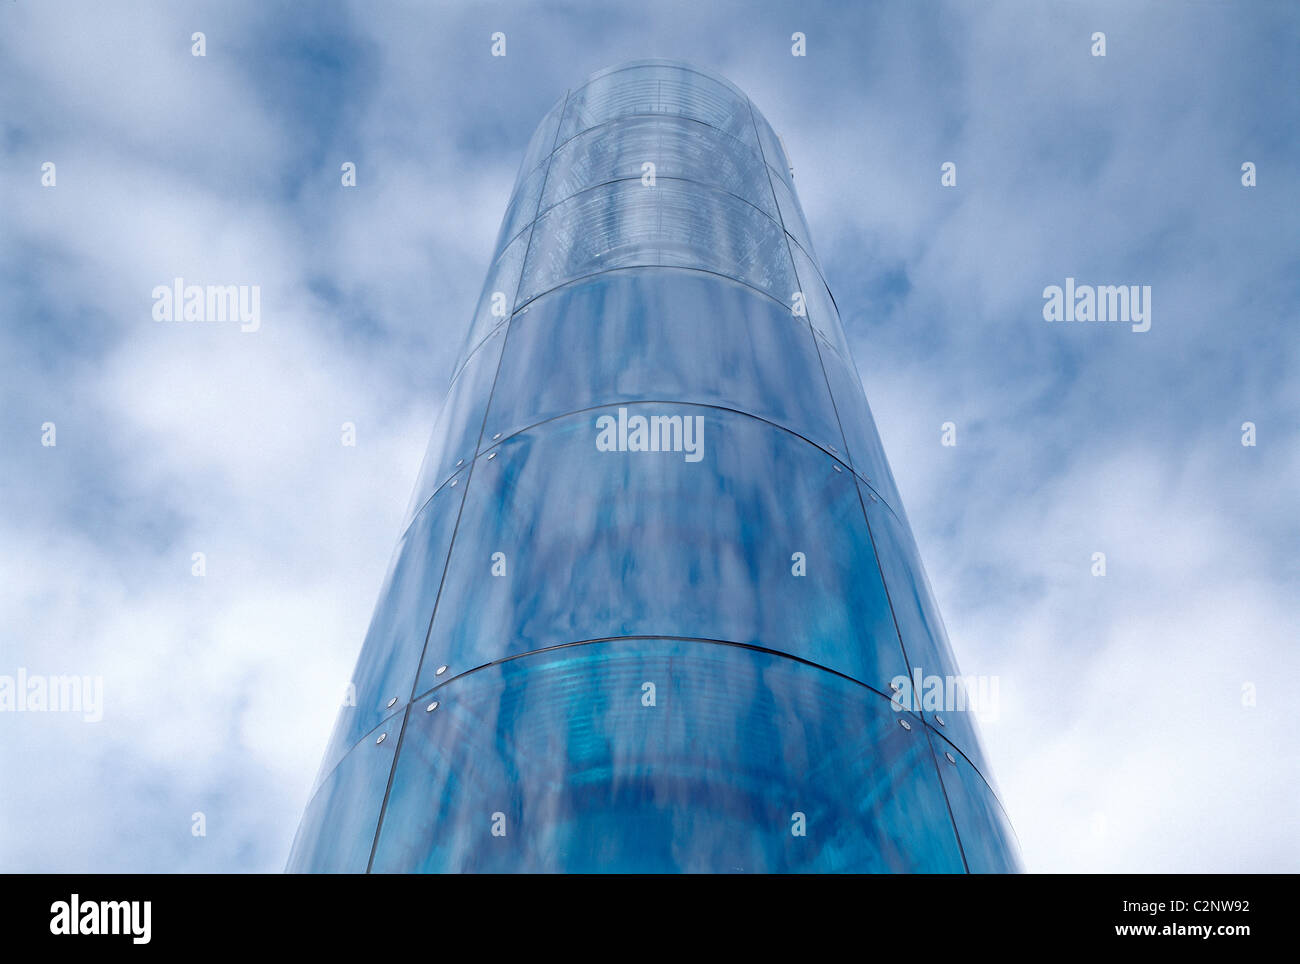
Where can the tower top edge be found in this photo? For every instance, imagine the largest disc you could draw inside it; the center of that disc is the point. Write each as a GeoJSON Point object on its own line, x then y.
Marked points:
{"type": "Point", "coordinates": [662, 62]}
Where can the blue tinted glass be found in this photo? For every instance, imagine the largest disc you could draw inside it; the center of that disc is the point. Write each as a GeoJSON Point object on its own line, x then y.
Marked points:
{"type": "Point", "coordinates": [925, 640]}
{"type": "Point", "coordinates": [522, 209]}
{"type": "Point", "coordinates": [817, 298]}
{"type": "Point", "coordinates": [658, 580]}
{"type": "Point", "coordinates": [773, 150]}
{"type": "Point", "coordinates": [623, 543]}
{"type": "Point", "coordinates": [677, 147]}
{"type": "Point", "coordinates": [680, 335]}
{"type": "Point", "coordinates": [607, 227]}
{"type": "Point", "coordinates": [456, 431]}
{"type": "Point", "coordinates": [718, 232]}
{"type": "Point", "coordinates": [338, 828]}
{"type": "Point", "coordinates": [385, 671]}
{"type": "Point", "coordinates": [628, 224]}
{"type": "Point", "coordinates": [497, 300]}
{"type": "Point", "coordinates": [542, 141]}
{"type": "Point", "coordinates": [865, 451]}
{"type": "Point", "coordinates": [792, 213]}
{"type": "Point", "coordinates": [987, 840]}
{"type": "Point", "coordinates": [658, 89]}
{"type": "Point", "coordinates": [657, 755]}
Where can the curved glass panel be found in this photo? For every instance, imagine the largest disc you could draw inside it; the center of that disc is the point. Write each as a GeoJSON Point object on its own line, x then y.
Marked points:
{"type": "Point", "coordinates": [866, 454]}
{"type": "Point", "coordinates": [773, 150]}
{"type": "Point", "coordinates": [385, 671]}
{"type": "Point", "coordinates": [678, 148]}
{"type": "Point", "coordinates": [715, 231]}
{"type": "Point", "coordinates": [522, 209]}
{"type": "Point", "coordinates": [338, 828]}
{"type": "Point", "coordinates": [661, 755]}
{"type": "Point", "coordinates": [456, 431]}
{"type": "Point", "coordinates": [613, 226]}
{"type": "Point", "coordinates": [987, 840]}
{"type": "Point", "coordinates": [707, 547]}
{"type": "Point", "coordinates": [680, 336]}
{"type": "Point", "coordinates": [652, 618]}
{"type": "Point", "coordinates": [792, 213]}
{"type": "Point", "coordinates": [817, 297]}
{"type": "Point", "coordinates": [658, 89]}
{"type": "Point", "coordinates": [497, 300]}
{"type": "Point", "coordinates": [542, 142]}
{"type": "Point", "coordinates": [935, 688]}
{"type": "Point", "coordinates": [628, 224]}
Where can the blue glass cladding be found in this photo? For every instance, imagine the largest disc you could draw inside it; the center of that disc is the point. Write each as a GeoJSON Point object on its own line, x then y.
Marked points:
{"type": "Point", "coordinates": [579, 766]}
{"type": "Point", "coordinates": [455, 433]}
{"type": "Point", "coordinates": [659, 89]}
{"type": "Point", "coordinates": [644, 334]}
{"type": "Point", "coordinates": [988, 842]}
{"type": "Point", "coordinates": [542, 142]}
{"type": "Point", "coordinates": [925, 641]}
{"type": "Point", "coordinates": [770, 590]}
{"type": "Point", "coordinates": [677, 147]}
{"type": "Point", "coordinates": [773, 149]}
{"type": "Point", "coordinates": [498, 297]}
{"type": "Point", "coordinates": [522, 208]}
{"type": "Point", "coordinates": [818, 302]}
{"type": "Point", "coordinates": [601, 543]}
{"type": "Point", "coordinates": [674, 223]}
{"type": "Point", "coordinates": [338, 828]}
{"type": "Point", "coordinates": [385, 671]}
{"type": "Point", "coordinates": [792, 213]}
{"type": "Point", "coordinates": [865, 451]}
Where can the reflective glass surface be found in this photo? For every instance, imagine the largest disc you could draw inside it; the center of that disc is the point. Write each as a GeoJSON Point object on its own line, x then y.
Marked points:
{"type": "Point", "coordinates": [658, 89]}
{"type": "Point", "coordinates": [668, 335]}
{"type": "Point", "coordinates": [522, 208]}
{"type": "Point", "coordinates": [988, 842]}
{"type": "Point", "coordinates": [385, 671]}
{"type": "Point", "coordinates": [659, 755]}
{"type": "Point", "coordinates": [792, 213]}
{"type": "Point", "coordinates": [865, 451]}
{"type": "Point", "coordinates": [925, 641]}
{"type": "Point", "coordinates": [338, 827]}
{"type": "Point", "coordinates": [817, 300]}
{"type": "Point", "coordinates": [456, 431]}
{"type": "Point", "coordinates": [629, 543]}
{"type": "Point", "coordinates": [678, 148]}
{"type": "Point", "coordinates": [542, 142]}
{"type": "Point", "coordinates": [673, 224]}
{"type": "Point", "coordinates": [497, 300]}
{"type": "Point", "coordinates": [773, 149]}
{"type": "Point", "coordinates": [658, 578]}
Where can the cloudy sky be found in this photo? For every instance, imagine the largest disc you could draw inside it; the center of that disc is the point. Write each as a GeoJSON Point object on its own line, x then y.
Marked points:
{"type": "Point", "coordinates": [1127, 738]}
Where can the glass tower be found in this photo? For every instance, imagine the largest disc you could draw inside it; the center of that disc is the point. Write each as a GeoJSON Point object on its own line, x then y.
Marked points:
{"type": "Point", "coordinates": [657, 606]}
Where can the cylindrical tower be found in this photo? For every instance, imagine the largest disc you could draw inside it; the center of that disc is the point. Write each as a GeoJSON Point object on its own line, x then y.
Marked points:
{"type": "Point", "coordinates": [657, 607]}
